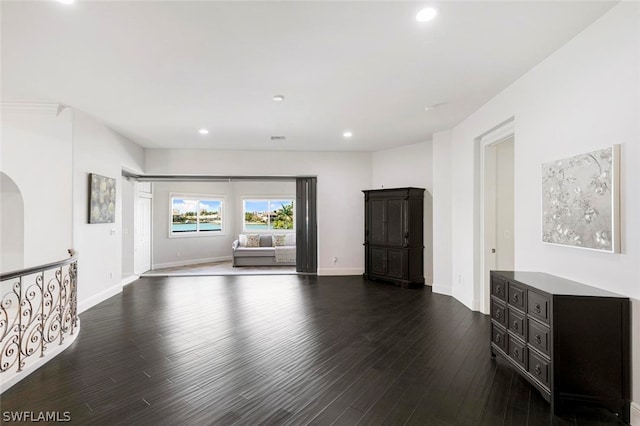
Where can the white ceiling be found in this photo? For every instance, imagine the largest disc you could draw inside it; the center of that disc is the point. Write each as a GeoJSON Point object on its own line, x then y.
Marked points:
{"type": "Point", "coordinates": [157, 71]}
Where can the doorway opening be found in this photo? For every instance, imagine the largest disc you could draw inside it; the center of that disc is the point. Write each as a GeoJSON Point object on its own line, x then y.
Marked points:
{"type": "Point", "coordinates": [497, 233]}
{"type": "Point", "coordinates": [198, 223]}
{"type": "Point", "coordinates": [136, 227]}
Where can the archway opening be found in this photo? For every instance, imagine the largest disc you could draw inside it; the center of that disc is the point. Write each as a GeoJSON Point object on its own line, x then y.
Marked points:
{"type": "Point", "coordinates": [11, 225]}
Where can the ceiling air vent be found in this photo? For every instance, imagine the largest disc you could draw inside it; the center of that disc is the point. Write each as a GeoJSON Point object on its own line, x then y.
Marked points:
{"type": "Point", "coordinates": [278, 138]}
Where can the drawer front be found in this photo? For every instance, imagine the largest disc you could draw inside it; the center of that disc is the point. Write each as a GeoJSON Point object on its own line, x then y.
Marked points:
{"type": "Point", "coordinates": [516, 323]}
{"type": "Point", "coordinates": [539, 368]}
{"type": "Point", "coordinates": [517, 352]}
{"type": "Point", "coordinates": [499, 287]}
{"type": "Point", "coordinates": [538, 336]}
{"type": "Point", "coordinates": [538, 306]}
{"type": "Point", "coordinates": [516, 296]}
{"type": "Point", "coordinates": [499, 337]}
{"type": "Point", "coordinates": [498, 312]}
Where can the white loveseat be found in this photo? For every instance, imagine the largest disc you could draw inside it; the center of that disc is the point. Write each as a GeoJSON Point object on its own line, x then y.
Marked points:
{"type": "Point", "coordinates": [264, 250]}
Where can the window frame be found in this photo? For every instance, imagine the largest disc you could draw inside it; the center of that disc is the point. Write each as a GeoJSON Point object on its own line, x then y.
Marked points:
{"type": "Point", "coordinates": [198, 198]}
{"type": "Point", "coordinates": [268, 198]}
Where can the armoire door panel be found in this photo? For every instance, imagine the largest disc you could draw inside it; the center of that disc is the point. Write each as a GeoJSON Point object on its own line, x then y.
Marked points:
{"type": "Point", "coordinates": [377, 222]}
{"type": "Point", "coordinates": [396, 263]}
{"type": "Point", "coordinates": [377, 259]}
{"type": "Point", "coordinates": [395, 222]}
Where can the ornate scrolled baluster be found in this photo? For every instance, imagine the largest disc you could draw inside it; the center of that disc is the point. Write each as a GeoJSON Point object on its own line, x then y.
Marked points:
{"type": "Point", "coordinates": [31, 319]}
{"type": "Point", "coordinates": [39, 309]}
{"type": "Point", "coordinates": [10, 327]}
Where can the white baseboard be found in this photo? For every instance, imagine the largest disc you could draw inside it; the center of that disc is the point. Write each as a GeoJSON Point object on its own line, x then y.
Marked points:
{"type": "Point", "coordinates": [83, 305]}
{"type": "Point", "coordinates": [129, 280]}
{"type": "Point", "coordinates": [441, 289]}
{"type": "Point", "coordinates": [190, 262]}
{"type": "Point", "coordinates": [52, 352]}
{"type": "Point", "coordinates": [340, 271]}
{"type": "Point", "coordinates": [462, 298]}
{"type": "Point", "coordinates": [476, 305]}
{"type": "Point", "coordinates": [635, 414]}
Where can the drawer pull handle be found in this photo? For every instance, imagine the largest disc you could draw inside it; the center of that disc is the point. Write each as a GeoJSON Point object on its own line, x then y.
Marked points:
{"type": "Point", "coordinates": [497, 288]}
{"type": "Point", "coordinates": [515, 298]}
{"type": "Point", "coordinates": [515, 325]}
{"type": "Point", "coordinates": [498, 339]}
{"type": "Point", "coordinates": [538, 339]}
{"type": "Point", "coordinates": [497, 314]}
{"type": "Point", "coordinates": [537, 308]}
{"type": "Point", "coordinates": [516, 353]}
{"type": "Point", "coordinates": [538, 370]}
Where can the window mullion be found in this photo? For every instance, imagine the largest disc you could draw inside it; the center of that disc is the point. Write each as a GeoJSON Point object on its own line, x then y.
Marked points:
{"type": "Point", "coordinates": [197, 216]}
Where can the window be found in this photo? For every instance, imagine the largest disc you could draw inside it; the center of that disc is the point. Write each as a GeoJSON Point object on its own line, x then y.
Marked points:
{"type": "Point", "coordinates": [268, 215]}
{"type": "Point", "coordinates": [196, 215]}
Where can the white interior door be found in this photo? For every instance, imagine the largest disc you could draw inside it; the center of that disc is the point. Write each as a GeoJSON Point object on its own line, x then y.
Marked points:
{"type": "Point", "coordinates": [142, 251]}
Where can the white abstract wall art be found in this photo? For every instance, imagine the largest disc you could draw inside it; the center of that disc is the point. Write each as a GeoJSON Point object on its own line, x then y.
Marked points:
{"type": "Point", "coordinates": [580, 202]}
{"type": "Point", "coordinates": [102, 199]}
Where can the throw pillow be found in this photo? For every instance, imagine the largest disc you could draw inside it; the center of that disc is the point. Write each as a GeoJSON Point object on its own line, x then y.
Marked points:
{"type": "Point", "coordinates": [253, 240]}
{"type": "Point", "coordinates": [242, 240]}
{"type": "Point", "coordinates": [290, 240]}
{"type": "Point", "coordinates": [265, 241]}
{"type": "Point", "coordinates": [278, 240]}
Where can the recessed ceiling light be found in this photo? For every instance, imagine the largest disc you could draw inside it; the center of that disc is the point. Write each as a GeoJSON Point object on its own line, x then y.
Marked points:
{"type": "Point", "coordinates": [426, 14]}
{"type": "Point", "coordinates": [347, 134]}
{"type": "Point", "coordinates": [278, 98]}
{"type": "Point", "coordinates": [203, 131]}
{"type": "Point", "coordinates": [65, 1]}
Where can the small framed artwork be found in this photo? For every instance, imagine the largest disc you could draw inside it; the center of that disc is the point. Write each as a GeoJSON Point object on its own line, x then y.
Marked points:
{"type": "Point", "coordinates": [102, 199]}
{"type": "Point", "coordinates": [580, 201]}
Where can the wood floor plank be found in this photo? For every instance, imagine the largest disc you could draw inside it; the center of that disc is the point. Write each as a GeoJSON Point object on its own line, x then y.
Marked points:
{"type": "Point", "coordinates": [517, 410]}
{"type": "Point", "coordinates": [473, 403]}
{"type": "Point", "coordinates": [495, 408]}
{"type": "Point", "coordinates": [539, 413]}
{"type": "Point", "coordinates": [282, 350]}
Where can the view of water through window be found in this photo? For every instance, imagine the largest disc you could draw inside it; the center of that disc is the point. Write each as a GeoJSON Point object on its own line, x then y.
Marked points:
{"type": "Point", "coordinates": [268, 214]}
{"type": "Point", "coordinates": [193, 215]}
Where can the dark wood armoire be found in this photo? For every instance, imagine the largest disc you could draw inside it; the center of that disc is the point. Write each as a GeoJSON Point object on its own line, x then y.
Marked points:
{"type": "Point", "coordinates": [393, 236]}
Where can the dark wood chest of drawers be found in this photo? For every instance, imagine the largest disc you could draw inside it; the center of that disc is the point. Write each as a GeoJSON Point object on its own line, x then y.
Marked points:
{"type": "Point", "coordinates": [569, 340]}
{"type": "Point", "coordinates": [393, 235]}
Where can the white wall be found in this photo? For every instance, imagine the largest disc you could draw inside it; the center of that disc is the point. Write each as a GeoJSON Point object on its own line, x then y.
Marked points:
{"type": "Point", "coordinates": [583, 97]}
{"type": "Point", "coordinates": [409, 165]}
{"type": "Point", "coordinates": [36, 154]}
{"type": "Point", "coordinates": [341, 178]}
{"type": "Point", "coordinates": [98, 149]}
{"type": "Point", "coordinates": [442, 211]}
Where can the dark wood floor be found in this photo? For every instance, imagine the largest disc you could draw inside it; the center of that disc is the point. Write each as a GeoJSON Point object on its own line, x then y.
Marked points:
{"type": "Point", "coordinates": [283, 350]}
